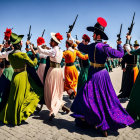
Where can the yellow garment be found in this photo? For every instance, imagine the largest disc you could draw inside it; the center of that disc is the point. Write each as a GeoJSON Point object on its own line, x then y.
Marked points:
{"type": "Point", "coordinates": [136, 71]}
{"type": "Point", "coordinates": [71, 73]}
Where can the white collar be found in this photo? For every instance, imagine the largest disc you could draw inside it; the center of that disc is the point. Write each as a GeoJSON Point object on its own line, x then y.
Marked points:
{"type": "Point", "coordinates": [71, 49]}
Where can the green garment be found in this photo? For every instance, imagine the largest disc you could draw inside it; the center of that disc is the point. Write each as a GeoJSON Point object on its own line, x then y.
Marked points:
{"type": "Point", "coordinates": [22, 100]}
{"type": "Point", "coordinates": [106, 66]}
{"type": "Point", "coordinates": [82, 77]}
{"type": "Point", "coordinates": [77, 65]}
{"type": "Point", "coordinates": [8, 73]}
{"type": "Point", "coordinates": [5, 81]}
{"type": "Point", "coordinates": [30, 54]}
{"type": "Point", "coordinates": [133, 106]}
{"type": "Point", "coordinates": [110, 65]}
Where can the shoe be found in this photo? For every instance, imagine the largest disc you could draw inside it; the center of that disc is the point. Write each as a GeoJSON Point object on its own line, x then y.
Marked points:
{"type": "Point", "coordinates": [51, 117]}
{"type": "Point", "coordinates": [104, 133]}
{"type": "Point", "coordinates": [72, 96]}
{"type": "Point", "coordinates": [65, 109]}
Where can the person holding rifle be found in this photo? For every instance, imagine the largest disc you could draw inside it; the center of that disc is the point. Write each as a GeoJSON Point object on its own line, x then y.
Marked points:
{"type": "Point", "coordinates": [129, 67]}
{"type": "Point", "coordinates": [96, 103]}
{"type": "Point", "coordinates": [54, 85]}
{"type": "Point", "coordinates": [71, 73]}
{"type": "Point", "coordinates": [133, 106]}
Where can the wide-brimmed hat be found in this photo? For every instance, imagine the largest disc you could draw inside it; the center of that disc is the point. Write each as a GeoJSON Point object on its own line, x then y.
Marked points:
{"type": "Point", "coordinates": [15, 39]}
{"type": "Point", "coordinates": [57, 37]}
{"type": "Point", "coordinates": [99, 28]}
{"type": "Point", "coordinates": [136, 43]}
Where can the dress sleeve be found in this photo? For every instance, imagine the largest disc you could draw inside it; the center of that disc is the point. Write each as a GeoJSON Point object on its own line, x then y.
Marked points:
{"type": "Point", "coordinates": [83, 57]}
{"type": "Point", "coordinates": [29, 61]}
{"type": "Point", "coordinates": [64, 54]}
{"type": "Point", "coordinates": [113, 53]}
{"type": "Point", "coordinates": [5, 54]}
{"type": "Point", "coordinates": [50, 52]}
{"type": "Point", "coordinates": [83, 48]}
{"type": "Point", "coordinates": [41, 55]}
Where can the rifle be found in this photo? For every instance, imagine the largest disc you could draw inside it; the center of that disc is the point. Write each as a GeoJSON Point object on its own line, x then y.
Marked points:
{"type": "Point", "coordinates": [76, 37]}
{"type": "Point", "coordinates": [43, 32]}
{"type": "Point", "coordinates": [119, 35]}
{"type": "Point", "coordinates": [29, 34]}
{"type": "Point", "coordinates": [130, 28]}
{"type": "Point", "coordinates": [71, 26]}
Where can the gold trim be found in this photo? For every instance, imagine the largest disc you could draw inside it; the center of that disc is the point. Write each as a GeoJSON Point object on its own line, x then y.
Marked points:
{"type": "Point", "coordinates": [20, 70]}
{"type": "Point", "coordinates": [95, 65]}
{"type": "Point", "coordinates": [55, 65]}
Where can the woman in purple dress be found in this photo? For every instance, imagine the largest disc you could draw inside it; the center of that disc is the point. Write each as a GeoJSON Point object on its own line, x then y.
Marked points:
{"type": "Point", "coordinates": [96, 103]}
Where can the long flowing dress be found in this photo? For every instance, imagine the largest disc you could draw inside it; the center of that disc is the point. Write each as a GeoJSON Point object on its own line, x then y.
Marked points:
{"type": "Point", "coordinates": [33, 77]}
{"type": "Point", "coordinates": [96, 102]}
{"type": "Point", "coordinates": [82, 78]}
{"type": "Point", "coordinates": [129, 76]}
{"type": "Point", "coordinates": [71, 73]}
{"type": "Point", "coordinates": [42, 66]}
{"type": "Point", "coordinates": [22, 100]}
{"type": "Point", "coordinates": [54, 85]}
{"type": "Point", "coordinates": [133, 106]}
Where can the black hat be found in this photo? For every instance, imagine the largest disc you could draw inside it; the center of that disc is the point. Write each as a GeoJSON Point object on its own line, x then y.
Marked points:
{"type": "Point", "coordinates": [136, 43]}
{"type": "Point", "coordinates": [99, 28]}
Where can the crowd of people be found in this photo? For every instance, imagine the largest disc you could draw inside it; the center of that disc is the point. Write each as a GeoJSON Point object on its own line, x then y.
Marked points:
{"type": "Point", "coordinates": [42, 74]}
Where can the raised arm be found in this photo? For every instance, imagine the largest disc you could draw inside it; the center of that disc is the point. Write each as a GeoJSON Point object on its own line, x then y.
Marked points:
{"type": "Point", "coordinates": [50, 52]}
{"type": "Point", "coordinates": [135, 52]}
{"type": "Point", "coordinates": [79, 54]}
{"type": "Point", "coordinates": [113, 53]}
{"type": "Point", "coordinates": [83, 48]}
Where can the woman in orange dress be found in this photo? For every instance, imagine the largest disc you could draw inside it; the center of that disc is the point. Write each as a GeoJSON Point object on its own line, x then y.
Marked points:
{"type": "Point", "coordinates": [71, 73]}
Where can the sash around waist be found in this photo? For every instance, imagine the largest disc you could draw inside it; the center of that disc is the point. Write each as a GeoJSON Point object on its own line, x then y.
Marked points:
{"type": "Point", "coordinates": [55, 65]}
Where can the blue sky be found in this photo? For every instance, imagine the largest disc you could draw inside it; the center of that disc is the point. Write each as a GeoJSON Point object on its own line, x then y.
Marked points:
{"type": "Point", "coordinates": [57, 15]}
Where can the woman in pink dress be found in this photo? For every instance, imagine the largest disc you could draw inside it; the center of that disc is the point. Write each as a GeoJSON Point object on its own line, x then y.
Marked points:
{"type": "Point", "coordinates": [54, 85]}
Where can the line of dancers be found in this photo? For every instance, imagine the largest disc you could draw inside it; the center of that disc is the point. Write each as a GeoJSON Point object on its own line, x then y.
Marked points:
{"type": "Point", "coordinates": [36, 77]}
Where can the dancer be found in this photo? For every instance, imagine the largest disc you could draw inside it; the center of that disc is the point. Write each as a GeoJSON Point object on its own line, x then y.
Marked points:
{"type": "Point", "coordinates": [84, 64]}
{"type": "Point", "coordinates": [96, 103]}
{"type": "Point", "coordinates": [130, 72]}
{"type": "Point", "coordinates": [6, 77]}
{"type": "Point", "coordinates": [133, 106]}
{"type": "Point", "coordinates": [22, 101]}
{"type": "Point", "coordinates": [71, 73]}
{"type": "Point", "coordinates": [54, 85]}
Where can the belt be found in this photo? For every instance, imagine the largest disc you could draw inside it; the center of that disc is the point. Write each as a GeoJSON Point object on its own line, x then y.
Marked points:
{"type": "Point", "coordinates": [131, 65]}
{"type": "Point", "coordinates": [7, 66]}
{"type": "Point", "coordinates": [69, 64]}
{"type": "Point", "coordinates": [20, 70]}
{"type": "Point", "coordinates": [95, 65]}
{"type": "Point", "coordinates": [55, 65]}
{"type": "Point", "coordinates": [43, 61]}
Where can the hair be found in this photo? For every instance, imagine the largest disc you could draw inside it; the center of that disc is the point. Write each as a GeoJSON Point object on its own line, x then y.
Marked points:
{"type": "Point", "coordinates": [69, 42]}
{"type": "Point", "coordinates": [98, 33]}
{"type": "Point", "coordinates": [17, 46]}
{"type": "Point", "coordinates": [54, 41]}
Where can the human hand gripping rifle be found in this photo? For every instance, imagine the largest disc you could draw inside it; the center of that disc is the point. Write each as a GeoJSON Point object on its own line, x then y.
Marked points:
{"type": "Point", "coordinates": [119, 35]}
{"type": "Point", "coordinates": [130, 28]}
{"type": "Point", "coordinates": [71, 26]}
{"type": "Point", "coordinates": [43, 32]}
